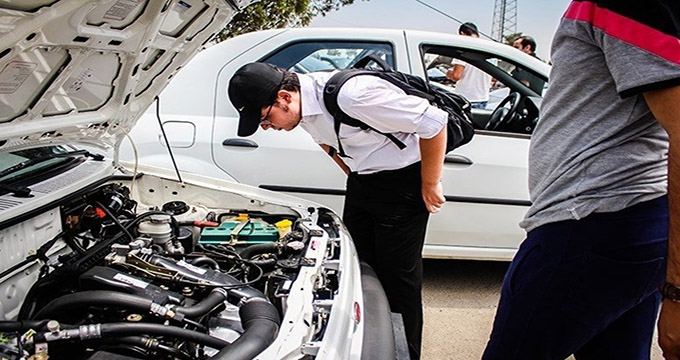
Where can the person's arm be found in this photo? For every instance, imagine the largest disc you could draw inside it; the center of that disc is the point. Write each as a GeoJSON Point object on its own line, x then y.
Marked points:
{"type": "Point", "coordinates": [456, 73]}
{"type": "Point", "coordinates": [336, 158]}
{"type": "Point", "coordinates": [432, 152]}
{"type": "Point", "coordinates": [665, 105]}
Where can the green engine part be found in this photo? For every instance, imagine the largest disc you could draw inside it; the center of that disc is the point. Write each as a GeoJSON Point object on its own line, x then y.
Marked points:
{"type": "Point", "coordinates": [246, 232]}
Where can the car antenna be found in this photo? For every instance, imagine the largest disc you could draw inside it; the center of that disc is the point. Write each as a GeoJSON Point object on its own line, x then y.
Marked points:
{"type": "Point", "coordinates": [167, 143]}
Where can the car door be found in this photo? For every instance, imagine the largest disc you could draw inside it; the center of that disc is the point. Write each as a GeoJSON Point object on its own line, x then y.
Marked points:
{"type": "Point", "coordinates": [290, 161]}
{"type": "Point", "coordinates": [485, 181]}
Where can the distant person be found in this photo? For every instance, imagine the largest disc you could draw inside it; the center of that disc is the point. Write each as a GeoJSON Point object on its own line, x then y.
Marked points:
{"type": "Point", "coordinates": [527, 45]}
{"type": "Point", "coordinates": [471, 82]}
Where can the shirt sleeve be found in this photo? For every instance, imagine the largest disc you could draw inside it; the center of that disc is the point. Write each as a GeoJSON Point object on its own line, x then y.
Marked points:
{"type": "Point", "coordinates": [387, 108]}
{"type": "Point", "coordinates": [641, 46]}
{"type": "Point", "coordinates": [458, 62]}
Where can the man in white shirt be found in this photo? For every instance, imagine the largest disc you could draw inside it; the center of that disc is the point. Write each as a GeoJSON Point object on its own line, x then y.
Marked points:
{"type": "Point", "coordinates": [390, 192]}
{"type": "Point", "coordinates": [471, 82]}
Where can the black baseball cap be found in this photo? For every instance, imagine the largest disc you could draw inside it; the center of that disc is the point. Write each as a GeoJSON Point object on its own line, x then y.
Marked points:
{"type": "Point", "coordinates": [253, 87]}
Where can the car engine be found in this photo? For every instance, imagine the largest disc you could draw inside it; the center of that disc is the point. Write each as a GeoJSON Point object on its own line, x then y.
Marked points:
{"type": "Point", "coordinates": [170, 281]}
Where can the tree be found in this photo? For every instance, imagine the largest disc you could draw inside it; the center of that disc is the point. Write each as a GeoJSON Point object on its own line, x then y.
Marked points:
{"type": "Point", "coordinates": [269, 14]}
{"type": "Point", "coordinates": [510, 38]}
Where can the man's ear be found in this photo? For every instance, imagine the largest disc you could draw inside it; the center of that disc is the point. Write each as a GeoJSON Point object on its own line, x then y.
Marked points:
{"type": "Point", "coordinates": [285, 96]}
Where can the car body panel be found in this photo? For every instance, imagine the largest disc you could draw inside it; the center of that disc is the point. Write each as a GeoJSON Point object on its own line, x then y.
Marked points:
{"type": "Point", "coordinates": [486, 193]}
{"type": "Point", "coordinates": [79, 74]}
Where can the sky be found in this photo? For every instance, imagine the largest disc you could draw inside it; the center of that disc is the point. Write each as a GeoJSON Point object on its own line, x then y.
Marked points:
{"type": "Point", "coordinates": [537, 18]}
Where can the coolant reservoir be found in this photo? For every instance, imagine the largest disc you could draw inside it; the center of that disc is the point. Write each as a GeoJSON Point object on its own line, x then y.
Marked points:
{"type": "Point", "coordinates": [157, 228]}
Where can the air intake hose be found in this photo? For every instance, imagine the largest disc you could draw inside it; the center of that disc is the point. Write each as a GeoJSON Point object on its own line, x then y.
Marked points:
{"type": "Point", "coordinates": [55, 309]}
{"type": "Point", "coordinates": [215, 298]}
{"type": "Point", "coordinates": [261, 322]}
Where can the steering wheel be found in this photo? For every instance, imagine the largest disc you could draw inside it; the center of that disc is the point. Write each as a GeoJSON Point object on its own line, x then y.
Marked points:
{"type": "Point", "coordinates": [502, 115]}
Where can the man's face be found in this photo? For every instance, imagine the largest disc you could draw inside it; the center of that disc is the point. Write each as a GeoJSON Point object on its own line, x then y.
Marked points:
{"type": "Point", "coordinates": [284, 114]}
{"type": "Point", "coordinates": [518, 45]}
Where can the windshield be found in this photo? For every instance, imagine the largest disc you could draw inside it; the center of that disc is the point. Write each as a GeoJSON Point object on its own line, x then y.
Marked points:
{"type": "Point", "coordinates": [11, 159]}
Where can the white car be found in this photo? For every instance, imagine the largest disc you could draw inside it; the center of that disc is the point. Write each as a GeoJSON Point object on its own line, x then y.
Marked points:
{"type": "Point", "coordinates": [99, 260]}
{"type": "Point", "coordinates": [485, 181]}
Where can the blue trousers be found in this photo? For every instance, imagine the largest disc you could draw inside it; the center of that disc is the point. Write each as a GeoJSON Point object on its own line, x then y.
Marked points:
{"type": "Point", "coordinates": [479, 104]}
{"type": "Point", "coordinates": [585, 287]}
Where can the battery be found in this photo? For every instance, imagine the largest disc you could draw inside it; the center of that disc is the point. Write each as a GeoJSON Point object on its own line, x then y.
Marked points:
{"type": "Point", "coordinates": [240, 232]}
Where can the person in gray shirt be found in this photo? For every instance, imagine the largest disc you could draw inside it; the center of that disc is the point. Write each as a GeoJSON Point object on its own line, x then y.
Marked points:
{"type": "Point", "coordinates": [585, 280]}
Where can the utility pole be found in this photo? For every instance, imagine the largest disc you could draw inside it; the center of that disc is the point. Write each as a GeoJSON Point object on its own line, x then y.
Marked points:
{"type": "Point", "coordinates": [504, 19]}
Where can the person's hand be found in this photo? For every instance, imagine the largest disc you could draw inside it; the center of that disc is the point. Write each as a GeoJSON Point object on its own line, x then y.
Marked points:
{"type": "Point", "coordinates": [669, 330]}
{"type": "Point", "coordinates": [433, 197]}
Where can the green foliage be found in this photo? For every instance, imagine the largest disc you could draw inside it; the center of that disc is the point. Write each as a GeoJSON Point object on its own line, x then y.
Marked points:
{"type": "Point", "coordinates": [269, 14]}
{"type": "Point", "coordinates": [510, 38]}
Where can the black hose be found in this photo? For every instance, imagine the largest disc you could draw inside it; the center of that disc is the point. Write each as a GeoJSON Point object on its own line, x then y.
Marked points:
{"type": "Point", "coordinates": [125, 329]}
{"type": "Point", "coordinates": [200, 327]}
{"type": "Point", "coordinates": [21, 326]}
{"type": "Point", "coordinates": [40, 255]}
{"type": "Point", "coordinates": [261, 324]}
{"type": "Point", "coordinates": [256, 249]}
{"type": "Point", "coordinates": [73, 244]}
{"type": "Point", "coordinates": [204, 260]}
{"type": "Point", "coordinates": [210, 302]}
{"type": "Point", "coordinates": [62, 305]}
{"type": "Point", "coordinates": [151, 344]}
{"type": "Point", "coordinates": [265, 264]}
{"type": "Point", "coordinates": [115, 220]}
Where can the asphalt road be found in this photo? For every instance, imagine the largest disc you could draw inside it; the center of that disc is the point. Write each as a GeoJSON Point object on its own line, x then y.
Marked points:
{"type": "Point", "coordinates": [460, 299]}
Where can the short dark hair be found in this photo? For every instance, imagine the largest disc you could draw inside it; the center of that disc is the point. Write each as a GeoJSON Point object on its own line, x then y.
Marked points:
{"type": "Point", "coordinates": [290, 82]}
{"type": "Point", "coordinates": [528, 41]}
{"type": "Point", "coordinates": [469, 29]}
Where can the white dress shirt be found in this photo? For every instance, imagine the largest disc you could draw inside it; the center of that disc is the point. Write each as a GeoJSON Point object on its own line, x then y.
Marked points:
{"type": "Point", "coordinates": [379, 104]}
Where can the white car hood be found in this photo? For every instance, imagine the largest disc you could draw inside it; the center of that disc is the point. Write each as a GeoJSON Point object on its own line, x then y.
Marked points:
{"type": "Point", "coordinates": [83, 72]}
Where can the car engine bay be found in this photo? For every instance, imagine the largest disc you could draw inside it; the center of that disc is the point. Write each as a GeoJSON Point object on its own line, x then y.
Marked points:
{"type": "Point", "coordinates": [168, 281]}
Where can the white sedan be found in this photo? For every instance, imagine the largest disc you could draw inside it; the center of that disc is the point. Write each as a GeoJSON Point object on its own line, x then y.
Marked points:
{"type": "Point", "coordinates": [485, 181]}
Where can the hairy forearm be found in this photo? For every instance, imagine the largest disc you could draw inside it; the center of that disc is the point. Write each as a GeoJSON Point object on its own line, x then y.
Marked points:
{"type": "Point", "coordinates": [665, 105]}
{"type": "Point", "coordinates": [336, 159]}
{"type": "Point", "coordinates": [673, 269]}
{"type": "Point", "coordinates": [432, 157]}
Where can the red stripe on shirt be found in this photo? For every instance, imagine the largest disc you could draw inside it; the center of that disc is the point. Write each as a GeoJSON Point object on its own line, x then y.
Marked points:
{"type": "Point", "coordinates": [626, 29]}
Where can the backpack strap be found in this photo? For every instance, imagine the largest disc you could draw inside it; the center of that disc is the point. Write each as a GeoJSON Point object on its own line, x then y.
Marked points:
{"type": "Point", "coordinates": [330, 100]}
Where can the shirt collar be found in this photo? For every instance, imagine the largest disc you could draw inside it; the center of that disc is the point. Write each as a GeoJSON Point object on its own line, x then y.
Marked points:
{"type": "Point", "coordinates": [310, 103]}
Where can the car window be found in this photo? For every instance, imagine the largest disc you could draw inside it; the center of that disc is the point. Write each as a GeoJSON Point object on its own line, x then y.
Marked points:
{"type": "Point", "coordinates": [312, 64]}
{"type": "Point", "coordinates": [504, 78]}
{"type": "Point", "coordinates": [306, 57]}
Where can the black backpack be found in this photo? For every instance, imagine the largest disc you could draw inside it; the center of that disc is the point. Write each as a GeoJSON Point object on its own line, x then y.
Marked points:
{"type": "Point", "coordinates": [459, 129]}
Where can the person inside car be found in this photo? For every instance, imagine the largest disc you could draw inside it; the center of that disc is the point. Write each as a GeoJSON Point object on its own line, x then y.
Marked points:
{"type": "Point", "coordinates": [471, 82]}
{"type": "Point", "coordinates": [527, 45]}
{"type": "Point", "coordinates": [390, 192]}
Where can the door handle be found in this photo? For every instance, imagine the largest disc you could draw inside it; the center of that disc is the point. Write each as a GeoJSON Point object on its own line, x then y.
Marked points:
{"type": "Point", "coordinates": [240, 143]}
{"type": "Point", "coordinates": [457, 159]}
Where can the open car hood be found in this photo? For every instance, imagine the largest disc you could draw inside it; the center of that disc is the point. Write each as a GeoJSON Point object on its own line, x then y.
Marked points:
{"type": "Point", "coordinates": [79, 71]}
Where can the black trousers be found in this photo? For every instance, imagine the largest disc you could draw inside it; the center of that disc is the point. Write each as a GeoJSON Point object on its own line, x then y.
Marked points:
{"type": "Point", "coordinates": [387, 218]}
{"type": "Point", "coordinates": [585, 287]}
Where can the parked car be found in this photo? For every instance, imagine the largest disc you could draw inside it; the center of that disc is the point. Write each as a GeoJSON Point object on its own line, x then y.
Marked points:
{"type": "Point", "coordinates": [103, 261]}
{"type": "Point", "coordinates": [485, 181]}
